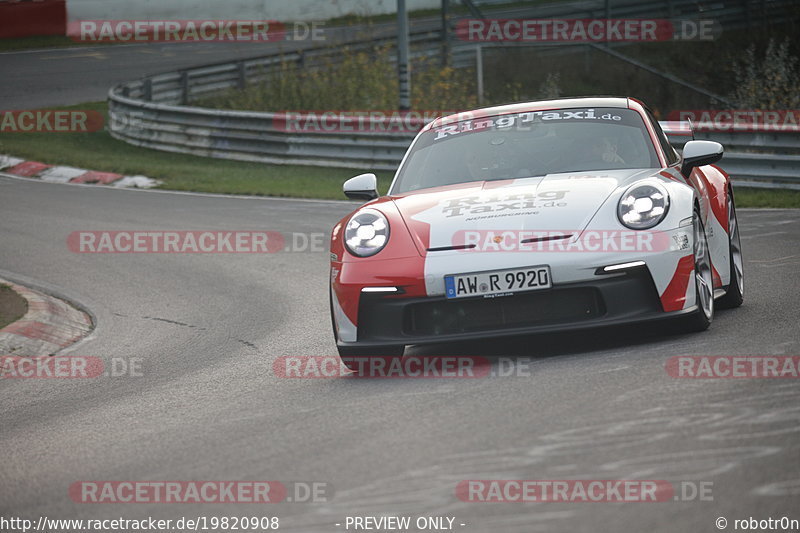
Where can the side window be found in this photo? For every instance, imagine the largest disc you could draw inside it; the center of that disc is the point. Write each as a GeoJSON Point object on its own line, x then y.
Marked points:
{"type": "Point", "coordinates": [669, 151]}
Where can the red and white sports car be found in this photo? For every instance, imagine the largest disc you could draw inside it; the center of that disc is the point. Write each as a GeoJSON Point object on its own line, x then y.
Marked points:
{"type": "Point", "coordinates": [542, 216]}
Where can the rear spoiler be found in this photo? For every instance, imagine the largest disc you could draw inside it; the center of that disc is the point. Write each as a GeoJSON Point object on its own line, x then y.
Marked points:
{"type": "Point", "coordinates": [677, 128]}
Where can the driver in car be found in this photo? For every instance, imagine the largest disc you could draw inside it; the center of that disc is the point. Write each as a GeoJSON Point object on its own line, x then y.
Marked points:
{"type": "Point", "coordinates": [604, 149]}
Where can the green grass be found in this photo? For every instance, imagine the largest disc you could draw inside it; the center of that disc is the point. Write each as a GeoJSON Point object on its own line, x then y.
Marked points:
{"type": "Point", "coordinates": [747, 197]}
{"type": "Point", "coordinates": [45, 41]}
{"type": "Point", "coordinates": [98, 151]}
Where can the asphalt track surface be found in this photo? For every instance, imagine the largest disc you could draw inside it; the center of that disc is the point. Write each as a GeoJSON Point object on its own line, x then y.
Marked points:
{"type": "Point", "coordinates": [208, 406]}
{"type": "Point", "coordinates": [206, 330]}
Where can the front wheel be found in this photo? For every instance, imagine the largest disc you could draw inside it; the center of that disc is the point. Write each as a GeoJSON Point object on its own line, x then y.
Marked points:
{"type": "Point", "coordinates": [704, 282]}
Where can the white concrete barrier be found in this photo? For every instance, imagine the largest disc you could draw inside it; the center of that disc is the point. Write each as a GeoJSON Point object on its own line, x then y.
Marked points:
{"type": "Point", "coordinates": [282, 10]}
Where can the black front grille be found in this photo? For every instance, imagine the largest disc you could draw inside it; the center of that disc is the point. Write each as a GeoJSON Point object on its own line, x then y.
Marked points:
{"type": "Point", "coordinates": [443, 317]}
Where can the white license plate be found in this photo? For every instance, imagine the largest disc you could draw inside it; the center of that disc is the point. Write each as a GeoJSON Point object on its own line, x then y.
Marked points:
{"type": "Point", "coordinates": [497, 282]}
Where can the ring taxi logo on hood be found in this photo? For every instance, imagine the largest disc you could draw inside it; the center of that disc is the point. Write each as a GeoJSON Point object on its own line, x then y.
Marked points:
{"type": "Point", "coordinates": [476, 205]}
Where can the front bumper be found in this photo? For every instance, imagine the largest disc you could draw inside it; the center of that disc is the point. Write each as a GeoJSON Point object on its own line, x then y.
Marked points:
{"type": "Point", "coordinates": [627, 297]}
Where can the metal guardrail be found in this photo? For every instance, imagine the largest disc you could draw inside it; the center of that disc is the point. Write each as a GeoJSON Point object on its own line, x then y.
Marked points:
{"type": "Point", "coordinates": [154, 113]}
{"type": "Point", "coordinates": [248, 136]}
{"type": "Point", "coordinates": [757, 159]}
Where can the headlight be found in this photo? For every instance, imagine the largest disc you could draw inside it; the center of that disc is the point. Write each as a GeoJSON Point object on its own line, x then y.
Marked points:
{"type": "Point", "coordinates": [643, 206]}
{"type": "Point", "coordinates": [366, 233]}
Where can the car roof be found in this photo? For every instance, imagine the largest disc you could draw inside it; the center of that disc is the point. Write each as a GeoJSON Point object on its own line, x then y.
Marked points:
{"type": "Point", "coordinates": [538, 105]}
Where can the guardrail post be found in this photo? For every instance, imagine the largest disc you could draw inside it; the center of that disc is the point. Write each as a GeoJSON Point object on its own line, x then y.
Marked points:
{"type": "Point", "coordinates": [241, 80]}
{"type": "Point", "coordinates": [445, 33]}
{"type": "Point", "coordinates": [184, 87]}
{"type": "Point", "coordinates": [403, 74]}
{"type": "Point", "coordinates": [147, 89]}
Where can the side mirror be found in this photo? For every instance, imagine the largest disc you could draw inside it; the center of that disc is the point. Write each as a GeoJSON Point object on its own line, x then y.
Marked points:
{"type": "Point", "coordinates": [699, 153]}
{"type": "Point", "coordinates": [363, 187]}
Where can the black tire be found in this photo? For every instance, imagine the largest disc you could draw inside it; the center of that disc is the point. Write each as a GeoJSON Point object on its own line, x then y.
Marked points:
{"type": "Point", "coordinates": [701, 319]}
{"type": "Point", "coordinates": [734, 293]}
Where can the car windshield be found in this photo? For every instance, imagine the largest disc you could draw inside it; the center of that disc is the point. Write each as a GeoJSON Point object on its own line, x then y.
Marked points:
{"type": "Point", "coordinates": [527, 144]}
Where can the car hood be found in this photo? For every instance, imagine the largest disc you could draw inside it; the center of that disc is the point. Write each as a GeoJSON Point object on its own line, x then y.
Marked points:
{"type": "Point", "coordinates": [437, 218]}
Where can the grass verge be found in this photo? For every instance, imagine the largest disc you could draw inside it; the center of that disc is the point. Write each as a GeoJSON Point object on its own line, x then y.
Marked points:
{"type": "Point", "coordinates": [99, 151]}
{"type": "Point", "coordinates": [12, 306]}
{"type": "Point", "coordinates": [748, 197]}
{"type": "Point", "coordinates": [37, 42]}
